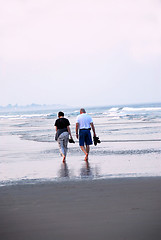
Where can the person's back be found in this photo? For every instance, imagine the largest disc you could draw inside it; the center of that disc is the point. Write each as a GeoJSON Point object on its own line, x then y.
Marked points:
{"type": "Point", "coordinates": [84, 121]}
{"type": "Point", "coordinates": [62, 123]}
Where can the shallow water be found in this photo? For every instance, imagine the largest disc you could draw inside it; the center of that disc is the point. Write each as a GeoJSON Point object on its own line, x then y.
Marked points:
{"type": "Point", "coordinates": [130, 146]}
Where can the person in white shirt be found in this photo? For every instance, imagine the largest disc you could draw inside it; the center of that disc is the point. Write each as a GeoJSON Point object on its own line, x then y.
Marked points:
{"type": "Point", "coordinates": [84, 123]}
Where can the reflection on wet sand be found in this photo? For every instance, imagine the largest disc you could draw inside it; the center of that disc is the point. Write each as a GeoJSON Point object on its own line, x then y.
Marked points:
{"type": "Point", "coordinates": [86, 171]}
{"type": "Point", "coordinates": [64, 171]}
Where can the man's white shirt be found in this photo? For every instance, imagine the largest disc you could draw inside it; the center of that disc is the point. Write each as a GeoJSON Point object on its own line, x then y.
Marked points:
{"type": "Point", "coordinates": [84, 121]}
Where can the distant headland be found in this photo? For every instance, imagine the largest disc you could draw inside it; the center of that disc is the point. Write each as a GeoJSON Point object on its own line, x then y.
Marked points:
{"type": "Point", "coordinates": [30, 107]}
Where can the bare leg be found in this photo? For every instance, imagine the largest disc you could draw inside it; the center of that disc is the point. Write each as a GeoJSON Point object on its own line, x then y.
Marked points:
{"type": "Point", "coordinates": [85, 152]}
{"type": "Point", "coordinates": [63, 158]}
{"type": "Point", "coordinates": [87, 148]}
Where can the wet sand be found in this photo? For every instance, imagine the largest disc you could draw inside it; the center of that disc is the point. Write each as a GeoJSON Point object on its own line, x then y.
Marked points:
{"type": "Point", "coordinates": [114, 209]}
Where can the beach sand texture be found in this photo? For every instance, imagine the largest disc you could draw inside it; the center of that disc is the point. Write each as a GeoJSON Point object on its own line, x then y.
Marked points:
{"type": "Point", "coordinates": [114, 209]}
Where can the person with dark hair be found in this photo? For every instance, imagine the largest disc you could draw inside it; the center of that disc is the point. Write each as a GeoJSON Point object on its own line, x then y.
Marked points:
{"type": "Point", "coordinates": [62, 133]}
{"type": "Point", "coordinates": [84, 123]}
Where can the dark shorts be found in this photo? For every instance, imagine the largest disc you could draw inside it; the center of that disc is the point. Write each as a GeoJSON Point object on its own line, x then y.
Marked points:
{"type": "Point", "coordinates": [85, 137]}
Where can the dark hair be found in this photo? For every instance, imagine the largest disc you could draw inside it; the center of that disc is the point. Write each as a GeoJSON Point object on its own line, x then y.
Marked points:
{"type": "Point", "coordinates": [60, 114]}
{"type": "Point", "coordinates": [82, 110]}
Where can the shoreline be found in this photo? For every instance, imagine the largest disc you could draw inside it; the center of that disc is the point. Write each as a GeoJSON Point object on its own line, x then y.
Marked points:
{"type": "Point", "coordinates": [34, 182]}
{"type": "Point", "coordinates": [115, 209]}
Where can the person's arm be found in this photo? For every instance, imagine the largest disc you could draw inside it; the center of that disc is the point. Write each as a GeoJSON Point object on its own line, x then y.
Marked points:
{"type": "Point", "coordinates": [76, 129]}
{"type": "Point", "coordinates": [68, 128]}
{"type": "Point", "coordinates": [55, 125]}
{"type": "Point", "coordinates": [93, 129]}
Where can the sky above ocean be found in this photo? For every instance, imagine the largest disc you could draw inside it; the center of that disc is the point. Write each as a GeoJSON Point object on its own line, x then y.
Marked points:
{"type": "Point", "coordinates": [80, 52]}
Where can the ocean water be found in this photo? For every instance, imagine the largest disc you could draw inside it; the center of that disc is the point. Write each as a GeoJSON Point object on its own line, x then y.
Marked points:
{"type": "Point", "coordinates": [130, 145]}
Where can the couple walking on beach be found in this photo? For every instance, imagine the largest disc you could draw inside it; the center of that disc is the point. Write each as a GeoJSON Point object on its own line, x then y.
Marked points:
{"type": "Point", "coordinates": [84, 123]}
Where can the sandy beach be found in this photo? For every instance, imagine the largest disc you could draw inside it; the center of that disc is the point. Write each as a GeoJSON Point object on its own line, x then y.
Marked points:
{"type": "Point", "coordinates": [115, 209]}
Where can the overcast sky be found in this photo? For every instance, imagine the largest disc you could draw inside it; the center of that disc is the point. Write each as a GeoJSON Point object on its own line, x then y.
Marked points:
{"type": "Point", "coordinates": [80, 53]}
